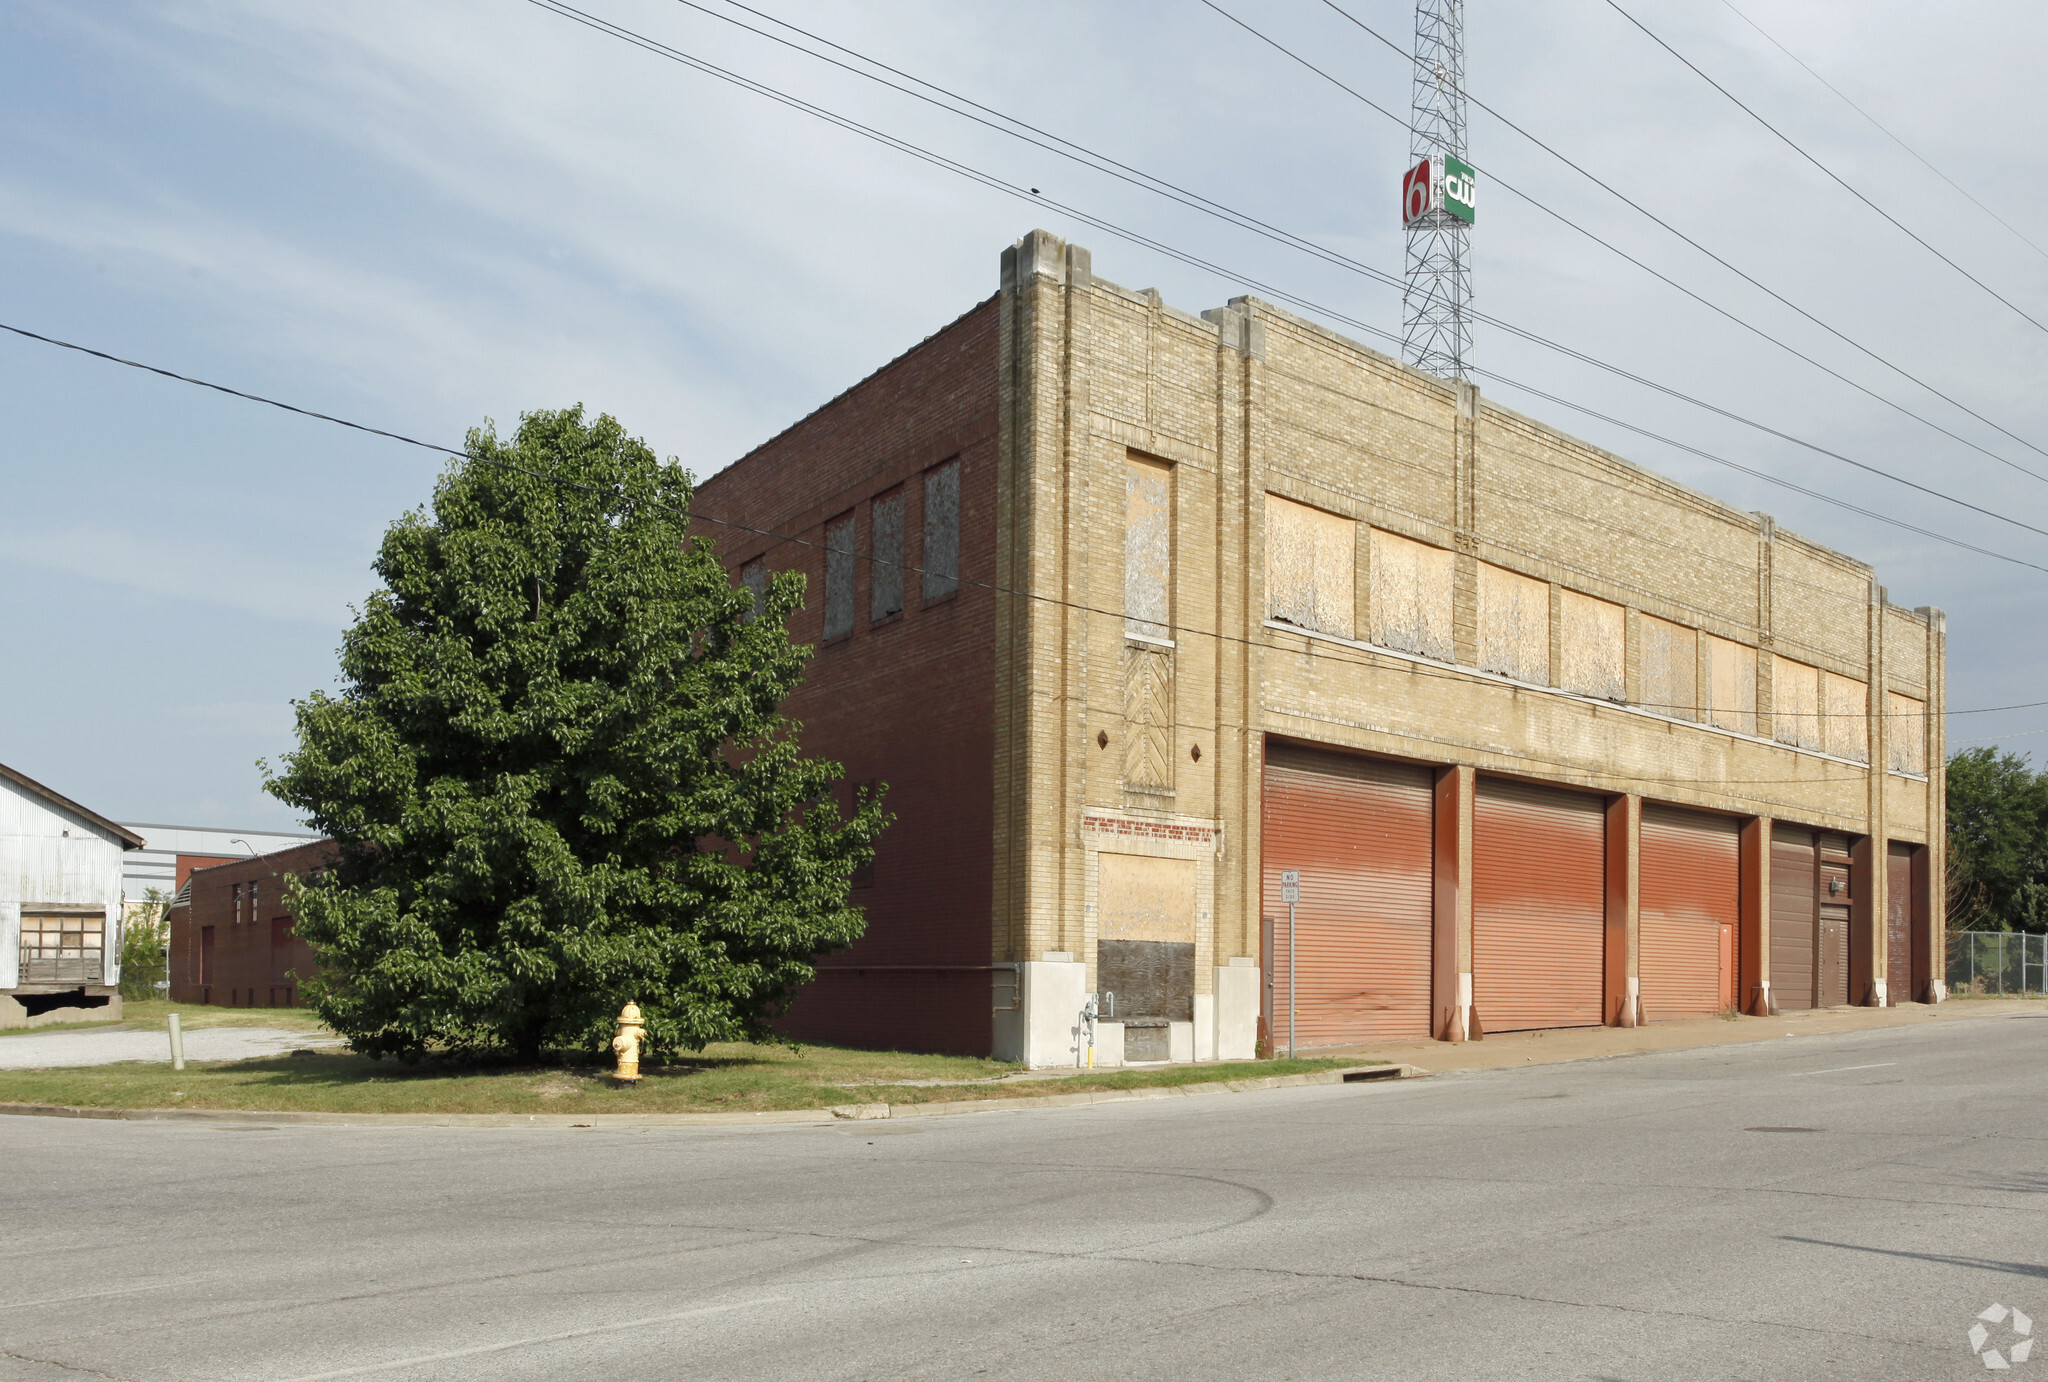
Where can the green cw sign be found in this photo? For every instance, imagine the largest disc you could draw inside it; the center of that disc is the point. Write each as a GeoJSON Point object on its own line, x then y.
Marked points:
{"type": "Point", "coordinates": [1439, 183]}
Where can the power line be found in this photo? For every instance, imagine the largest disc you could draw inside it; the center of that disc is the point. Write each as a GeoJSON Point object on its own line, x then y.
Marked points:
{"type": "Point", "coordinates": [1657, 274]}
{"type": "Point", "coordinates": [1746, 277]}
{"type": "Point", "coordinates": [1833, 176]}
{"type": "Point", "coordinates": [1466, 677]}
{"type": "Point", "coordinates": [660, 49]}
{"type": "Point", "coordinates": [1881, 129]}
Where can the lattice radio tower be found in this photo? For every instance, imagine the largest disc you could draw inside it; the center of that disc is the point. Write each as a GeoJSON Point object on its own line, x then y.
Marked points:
{"type": "Point", "coordinates": [1436, 322]}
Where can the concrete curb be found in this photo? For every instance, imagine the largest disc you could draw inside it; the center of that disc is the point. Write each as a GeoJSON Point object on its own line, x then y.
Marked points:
{"type": "Point", "coordinates": [1360, 1074]}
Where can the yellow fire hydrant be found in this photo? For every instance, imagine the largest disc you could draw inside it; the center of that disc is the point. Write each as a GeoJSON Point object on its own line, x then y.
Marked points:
{"type": "Point", "coordinates": [626, 1045]}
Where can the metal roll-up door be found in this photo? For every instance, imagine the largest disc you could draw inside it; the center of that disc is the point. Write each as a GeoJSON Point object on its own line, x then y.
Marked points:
{"type": "Point", "coordinates": [1539, 905]}
{"type": "Point", "coordinates": [1689, 905]}
{"type": "Point", "coordinates": [1795, 910]}
{"type": "Point", "coordinates": [1898, 925]}
{"type": "Point", "coordinates": [1362, 833]}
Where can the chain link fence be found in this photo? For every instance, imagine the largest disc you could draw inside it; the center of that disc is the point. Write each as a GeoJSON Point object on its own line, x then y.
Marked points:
{"type": "Point", "coordinates": [1996, 963]}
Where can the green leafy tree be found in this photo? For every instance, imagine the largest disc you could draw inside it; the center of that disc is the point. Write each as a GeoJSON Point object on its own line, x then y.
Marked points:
{"type": "Point", "coordinates": [559, 774]}
{"type": "Point", "coordinates": [144, 934]}
{"type": "Point", "coordinates": [1997, 843]}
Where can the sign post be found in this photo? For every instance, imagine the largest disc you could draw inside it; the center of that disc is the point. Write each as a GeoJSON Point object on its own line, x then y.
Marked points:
{"type": "Point", "coordinates": [1290, 893]}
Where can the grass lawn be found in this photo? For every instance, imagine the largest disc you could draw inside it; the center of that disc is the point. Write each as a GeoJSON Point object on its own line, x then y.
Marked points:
{"type": "Point", "coordinates": [729, 1078]}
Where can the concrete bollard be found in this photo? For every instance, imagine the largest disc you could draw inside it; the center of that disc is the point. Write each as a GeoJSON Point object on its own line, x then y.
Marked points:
{"type": "Point", "coordinates": [177, 1044]}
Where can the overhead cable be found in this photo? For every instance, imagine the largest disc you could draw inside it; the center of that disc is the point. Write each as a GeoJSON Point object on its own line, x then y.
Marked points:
{"type": "Point", "coordinates": [1832, 175]}
{"type": "Point", "coordinates": [1746, 277]}
{"type": "Point", "coordinates": [561, 8]}
{"type": "Point", "coordinates": [1335, 652]}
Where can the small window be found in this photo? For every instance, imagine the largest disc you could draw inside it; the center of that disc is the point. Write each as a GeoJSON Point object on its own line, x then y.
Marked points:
{"type": "Point", "coordinates": [839, 578]}
{"type": "Point", "coordinates": [942, 531]}
{"type": "Point", "coordinates": [754, 576]}
{"type": "Point", "coordinates": [1148, 548]}
{"type": "Point", "coordinates": [885, 572]}
{"type": "Point", "coordinates": [1906, 736]}
{"type": "Point", "coordinates": [235, 892]}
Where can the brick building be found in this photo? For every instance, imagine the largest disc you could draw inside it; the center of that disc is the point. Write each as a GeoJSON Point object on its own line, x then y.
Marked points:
{"type": "Point", "coordinates": [1137, 611]}
{"type": "Point", "coordinates": [233, 940]}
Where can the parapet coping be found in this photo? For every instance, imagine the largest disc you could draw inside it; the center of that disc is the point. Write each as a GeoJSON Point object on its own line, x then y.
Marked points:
{"type": "Point", "coordinates": [1388, 1073]}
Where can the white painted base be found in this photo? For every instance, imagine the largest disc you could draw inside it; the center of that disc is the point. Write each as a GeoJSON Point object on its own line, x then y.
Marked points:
{"type": "Point", "coordinates": [1045, 1027]}
{"type": "Point", "coordinates": [1938, 991]}
{"type": "Point", "coordinates": [1109, 1044]}
{"type": "Point", "coordinates": [1236, 1011]}
{"type": "Point", "coordinates": [1205, 1026]}
{"type": "Point", "coordinates": [1180, 1041]}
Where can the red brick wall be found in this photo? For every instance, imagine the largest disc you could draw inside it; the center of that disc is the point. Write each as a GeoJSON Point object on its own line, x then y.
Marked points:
{"type": "Point", "coordinates": [909, 702]}
{"type": "Point", "coordinates": [242, 961]}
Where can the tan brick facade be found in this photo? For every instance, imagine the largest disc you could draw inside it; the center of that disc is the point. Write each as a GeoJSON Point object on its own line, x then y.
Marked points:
{"type": "Point", "coordinates": [1647, 642]}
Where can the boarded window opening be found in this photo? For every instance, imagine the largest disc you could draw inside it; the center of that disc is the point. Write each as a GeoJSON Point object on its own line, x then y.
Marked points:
{"type": "Point", "coordinates": [1670, 669]}
{"type": "Point", "coordinates": [1728, 685]}
{"type": "Point", "coordinates": [1145, 935]}
{"type": "Point", "coordinates": [885, 572]}
{"type": "Point", "coordinates": [1411, 596]}
{"type": "Point", "coordinates": [839, 577]}
{"type": "Point", "coordinates": [1845, 722]}
{"type": "Point", "coordinates": [1592, 647]}
{"type": "Point", "coordinates": [942, 531]}
{"type": "Point", "coordinates": [1311, 567]}
{"type": "Point", "coordinates": [1795, 703]}
{"type": "Point", "coordinates": [62, 947]}
{"type": "Point", "coordinates": [1906, 735]}
{"type": "Point", "coordinates": [1514, 625]}
{"type": "Point", "coordinates": [1148, 548]}
{"type": "Point", "coordinates": [754, 576]}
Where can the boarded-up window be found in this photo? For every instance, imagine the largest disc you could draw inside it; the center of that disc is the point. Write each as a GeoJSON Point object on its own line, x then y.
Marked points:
{"type": "Point", "coordinates": [1592, 647]}
{"type": "Point", "coordinates": [1311, 567]}
{"type": "Point", "coordinates": [754, 576]}
{"type": "Point", "coordinates": [839, 577]}
{"type": "Point", "coordinates": [1845, 718]}
{"type": "Point", "coordinates": [942, 531]}
{"type": "Point", "coordinates": [1795, 703]}
{"type": "Point", "coordinates": [1906, 734]}
{"type": "Point", "coordinates": [1728, 685]}
{"type": "Point", "coordinates": [885, 572]}
{"type": "Point", "coordinates": [1412, 585]}
{"type": "Point", "coordinates": [1514, 625]}
{"type": "Point", "coordinates": [62, 948]}
{"type": "Point", "coordinates": [1148, 548]}
{"type": "Point", "coordinates": [1670, 669]}
{"type": "Point", "coordinates": [1145, 935]}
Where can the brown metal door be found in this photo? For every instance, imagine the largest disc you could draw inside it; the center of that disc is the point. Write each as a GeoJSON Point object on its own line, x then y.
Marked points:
{"type": "Point", "coordinates": [1539, 902]}
{"type": "Point", "coordinates": [1898, 925]}
{"type": "Point", "coordinates": [1361, 832]}
{"type": "Point", "coordinates": [1831, 962]}
{"type": "Point", "coordinates": [1795, 914]}
{"type": "Point", "coordinates": [1831, 976]}
{"type": "Point", "coordinates": [1691, 889]}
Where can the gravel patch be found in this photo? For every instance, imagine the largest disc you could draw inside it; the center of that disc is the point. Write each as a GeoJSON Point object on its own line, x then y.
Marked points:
{"type": "Point", "coordinates": [43, 1051]}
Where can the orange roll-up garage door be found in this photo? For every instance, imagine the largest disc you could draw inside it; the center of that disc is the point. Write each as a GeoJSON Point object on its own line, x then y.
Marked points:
{"type": "Point", "coordinates": [1361, 832]}
{"type": "Point", "coordinates": [1539, 904]}
{"type": "Point", "coordinates": [1691, 891]}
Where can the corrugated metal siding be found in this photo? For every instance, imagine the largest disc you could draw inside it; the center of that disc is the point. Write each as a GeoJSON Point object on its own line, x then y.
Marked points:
{"type": "Point", "coordinates": [1898, 925]}
{"type": "Point", "coordinates": [1793, 908]}
{"type": "Point", "coordinates": [1539, 903]}
{"type": "Point", "coordinates": [1691, 889]}
{"type": "Point", "coordinates": [1361, 832]}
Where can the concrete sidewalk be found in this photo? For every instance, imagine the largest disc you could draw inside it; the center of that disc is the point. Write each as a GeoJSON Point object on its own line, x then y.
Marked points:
{"type": "Point", "coordinates": [1501, 1050]}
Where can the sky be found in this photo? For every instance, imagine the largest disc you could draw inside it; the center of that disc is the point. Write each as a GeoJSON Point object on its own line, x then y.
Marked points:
{"type": "Point", "coordinates": [429, 217]}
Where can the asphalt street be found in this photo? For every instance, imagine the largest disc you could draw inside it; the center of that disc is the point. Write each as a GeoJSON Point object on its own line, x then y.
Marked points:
{"type": "Point", "coordinates": [1810, 1207]}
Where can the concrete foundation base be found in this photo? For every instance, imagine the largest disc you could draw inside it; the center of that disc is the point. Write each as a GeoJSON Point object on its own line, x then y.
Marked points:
{"type": "Point", "coordinates": [14, 1017]}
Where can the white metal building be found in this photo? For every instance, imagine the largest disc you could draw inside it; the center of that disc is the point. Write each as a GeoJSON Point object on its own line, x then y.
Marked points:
{"type": "Point", "coordinates": [60, 903]}
{"type": "Point", "coordinates": [156, 863]}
